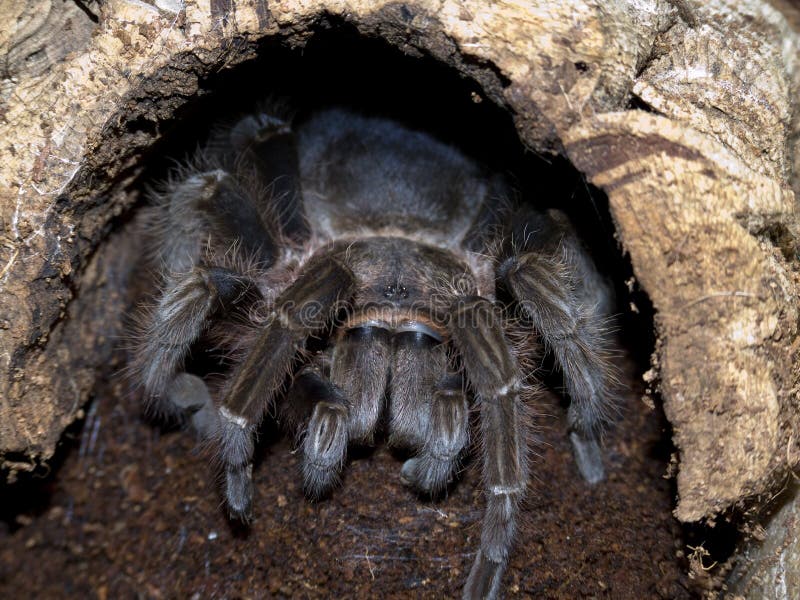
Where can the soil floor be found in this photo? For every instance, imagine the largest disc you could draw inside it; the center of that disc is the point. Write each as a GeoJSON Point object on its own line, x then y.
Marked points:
{"type": "Point", "coordinates": [132, 511]}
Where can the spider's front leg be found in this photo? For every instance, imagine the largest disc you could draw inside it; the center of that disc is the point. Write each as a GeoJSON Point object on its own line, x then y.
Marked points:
{"type": "Point", "coordinates": [307, 306]}
{"type": "Point", "coordinates": [560, 290]}
{"type": "Point", "coordinates": [477, 333]}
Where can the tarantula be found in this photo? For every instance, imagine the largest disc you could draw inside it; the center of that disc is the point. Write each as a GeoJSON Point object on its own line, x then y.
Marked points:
{"type": "Point", "coordinates": [358, 264]}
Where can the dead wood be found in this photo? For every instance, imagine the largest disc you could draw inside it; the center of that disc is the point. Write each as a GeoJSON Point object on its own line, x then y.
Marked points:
{"type": "Point", "coordinates": [685, 113]}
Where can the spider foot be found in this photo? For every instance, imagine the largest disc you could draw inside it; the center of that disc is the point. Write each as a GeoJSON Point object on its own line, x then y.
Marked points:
{"type": "Point", "coordinates": [484, 578]}
{"type": "Point", "coordinates": [588, 457]}
{"type": "Point", "coordinates": [239, 492]}
{"type": "Point", "coordinates": [427, 474]}
{"type": "Point", "coordinates": [324, 447]}
{"type": "Point", "coordinates": [189, 394]}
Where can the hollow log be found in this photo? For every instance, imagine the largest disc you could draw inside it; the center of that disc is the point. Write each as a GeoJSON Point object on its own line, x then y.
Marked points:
{"type": "Point", "coordinates": [685, 113]}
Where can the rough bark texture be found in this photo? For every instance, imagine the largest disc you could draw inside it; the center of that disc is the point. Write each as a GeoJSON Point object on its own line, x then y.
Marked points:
{"type": "Point", "coordinates": [684, 112]}
{"type": "Point", "coordinates": [769, 566]}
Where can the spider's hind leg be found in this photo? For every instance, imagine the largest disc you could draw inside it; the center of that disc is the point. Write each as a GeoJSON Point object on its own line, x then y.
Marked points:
{"type": "Point", "coordinates": [209, 211]}
{"type": "Point", "coordinates": [266, 152]}
{"type": "Point", "coordinates": [558, 287]}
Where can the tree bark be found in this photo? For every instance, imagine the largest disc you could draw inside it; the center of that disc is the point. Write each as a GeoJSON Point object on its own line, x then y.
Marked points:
{"type": "Point", "coordinates": [685, 113]}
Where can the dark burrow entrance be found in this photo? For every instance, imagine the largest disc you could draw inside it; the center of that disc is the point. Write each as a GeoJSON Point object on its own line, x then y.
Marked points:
{"type": "Point", "coordinates": [130, 509]}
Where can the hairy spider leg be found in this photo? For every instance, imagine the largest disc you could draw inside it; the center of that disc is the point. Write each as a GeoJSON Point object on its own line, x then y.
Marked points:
{"type": "Point", "coordinates": [187, 304]}
{"type": "Point", "coordinates": [210, 210]}
{"type": "Point", "coordinates": [262, 150]}
{"type": "Point", "coordinates": [193, 292]}
{"type": "Point", "coordinates": [564, 297]}
{"type": "Point", "coordinates": [306, 307]}
{"type": "Point", "coordinates": [496, 379]}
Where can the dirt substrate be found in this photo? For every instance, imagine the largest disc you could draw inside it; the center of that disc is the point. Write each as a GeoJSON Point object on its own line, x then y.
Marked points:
{"type": "Point", "coordinates": [132, 512]}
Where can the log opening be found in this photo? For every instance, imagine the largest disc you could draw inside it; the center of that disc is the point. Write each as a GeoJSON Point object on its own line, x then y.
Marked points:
{"type": "Point", "coordinates": [699, 192]}
{"type": "Point", "coordinates": [339, 67]}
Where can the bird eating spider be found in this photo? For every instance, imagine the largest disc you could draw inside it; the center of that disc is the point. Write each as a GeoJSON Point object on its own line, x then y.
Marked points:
{"type": "Point", "coordinates": [364, 278]}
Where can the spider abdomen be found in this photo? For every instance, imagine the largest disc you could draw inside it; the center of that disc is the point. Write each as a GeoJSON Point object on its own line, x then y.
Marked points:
{"type": "Point", "coordinates": [373, 176]}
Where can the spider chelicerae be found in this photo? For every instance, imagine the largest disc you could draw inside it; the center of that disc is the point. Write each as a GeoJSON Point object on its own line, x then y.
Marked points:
{"type": "Point", "coordinates": [347, 270]}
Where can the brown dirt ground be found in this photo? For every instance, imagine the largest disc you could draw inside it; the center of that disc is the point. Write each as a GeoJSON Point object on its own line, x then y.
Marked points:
{"type": "Point", "coordinates": [133, 512]}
